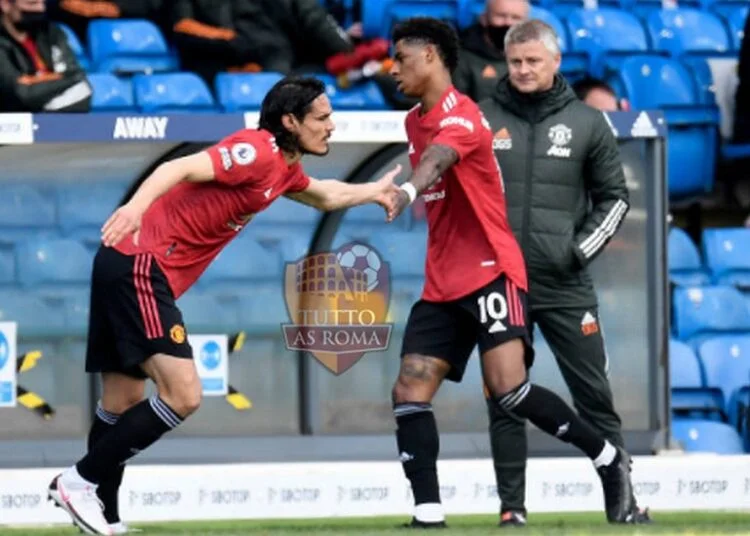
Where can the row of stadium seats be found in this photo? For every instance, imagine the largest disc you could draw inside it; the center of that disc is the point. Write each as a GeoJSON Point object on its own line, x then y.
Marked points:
{"type": "Point", "coordinates": [713, 384]}
{"type": "Point", "coordinates": [724, 258]}
{"type": "Point", "coordinates": [131, 46]}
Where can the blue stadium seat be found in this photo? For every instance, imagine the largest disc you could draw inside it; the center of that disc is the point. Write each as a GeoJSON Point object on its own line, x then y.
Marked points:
{"type": "Point", "coordinates": [707, 436]}
{"type": "Point", "coordinates": [406, 252]}
{"type": "Point", "coordinates": [684, 261]}
{"type": "Point", "coordinates": [726, 363]}
{"type": "Point", "coordinates": [734, 14]}
{"type": "Point", "coordinates": [76, 305]}
{"type": "Point", "coordinates": [206, 313]}
{"type": "Point", "coordinates": [362, 96]}
{"type": "Point", "coordinates": [607, 35]}
{"type": "Point", "coordinates": [53, 262]}
{"type": "Point", "coordinates": [703, 312]}
{"type": "Point", "coordinates": [399, 10]}
{"type": "Point", "coordinates": [689, 31]}
{"type": "Point", "coordinates": [262, 309]}
{"type": "Point", "coordinates": [284, 216]}
{"type": "Point", "coordinates": [243, 260]}
{"type": "Point", "coordinates": [172, 93]}
{"type": "Point", "coordinates": [111, 94]}
{"type": "Point", "coordinates": [655, 82]}
{"type": "Point", "coordinates": [690, 396]}
{"type": "Point", "coordinates": [243, 91]}
{"type": "Point", "coordinates": [727, 254]}
{"type": "Point", "coordinates": [7, 266]}
{"type": "Point", "coordinates": [76, 46]}
{"type": "Point", "coordinates": [83, 208]}
{"type": "Point", "coordinates": [128, 46]}
{"type": "Point", "coordinates": [35, 316]}
{"type": "Point", "coordinates": [26, 211]}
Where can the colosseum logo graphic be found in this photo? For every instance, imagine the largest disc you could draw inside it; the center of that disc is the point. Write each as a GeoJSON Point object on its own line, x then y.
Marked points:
{"type": "Point", "coordinates": [338, 304]}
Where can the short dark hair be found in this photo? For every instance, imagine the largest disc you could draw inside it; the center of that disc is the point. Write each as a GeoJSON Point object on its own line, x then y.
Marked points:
{"type": "Point", "coordinates": [431, 31]}
{"type": "Point", "coordinates": [290, 95]}
{"type": "Point", "coordinates": [586, 85]}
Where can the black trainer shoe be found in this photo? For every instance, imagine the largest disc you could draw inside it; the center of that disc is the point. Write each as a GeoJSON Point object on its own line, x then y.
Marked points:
{"type": "Point", "coordinates": [417, 524]}
{"type": "Point", "coordinates": [619, 501]}
{"type": "Point", "coordinates": [512, 519]}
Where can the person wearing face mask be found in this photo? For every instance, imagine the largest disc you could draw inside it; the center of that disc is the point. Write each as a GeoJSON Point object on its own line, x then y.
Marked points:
{"type": "Point", "coordinates": [482, 60]}
{"type": "Point", "coordinates": [566, 198]}
{"type": "Point", "coordinates": [38, 70]}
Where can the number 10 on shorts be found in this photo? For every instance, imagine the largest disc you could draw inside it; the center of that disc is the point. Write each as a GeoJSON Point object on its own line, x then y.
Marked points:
{"type": "Point", "coordinates": [211, 359]}
{"type": "Point", "coordinates": [493, 310]}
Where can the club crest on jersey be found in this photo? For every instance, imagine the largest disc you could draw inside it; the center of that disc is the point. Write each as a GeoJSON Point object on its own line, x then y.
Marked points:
{"type": "Point", "coordinates": [243, 153]}
{"type": "Point", "coordinates": [560, 135]}
{"type": "Point", "coordinates": [502, 140]}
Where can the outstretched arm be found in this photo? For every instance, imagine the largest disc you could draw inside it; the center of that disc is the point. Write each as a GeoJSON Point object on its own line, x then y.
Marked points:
{"type": "Point", "coordinates": [435, 160]}
{"type": "Point", "coordinates": [333, 194]}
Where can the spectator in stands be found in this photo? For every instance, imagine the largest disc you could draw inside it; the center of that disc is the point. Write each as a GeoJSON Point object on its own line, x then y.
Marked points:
{"type": "Point", "coordinates": [281, 36]}
{"type": "Point", "coordinates": [566, 198]}
{"type": "Point", "coordinates": [38, 70]}
{"type": "Point", "coordinates": [482, 61]}
{"type": "Point", "coordinates": [742, 97]}
{"type": "Point", "coordinates": [78, 13]}
{"type": "Point", "coordinates": [598, 94]}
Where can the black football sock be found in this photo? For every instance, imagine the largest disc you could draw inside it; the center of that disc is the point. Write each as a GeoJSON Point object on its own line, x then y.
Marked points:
{"type": "Point", "coordinates": [418, 446]}
{"type": "Point", "coordinates": [108, 489]}
{"type": "Point", "coordinates": [136, 430]}
{"type": "Point", "coordinates": [550, 413]}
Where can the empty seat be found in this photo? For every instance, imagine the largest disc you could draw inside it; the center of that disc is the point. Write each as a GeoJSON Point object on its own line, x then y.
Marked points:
{"type": "Point", "coordinates": [172, 92]}
{"type": "Point", "coordinates": [399, 10]}
{"type": "Point", "coordinates": [128, 46]}
{"type": "Point", "coordinates": [75, 46]}
{"type": "Point", "coordinates": [7, 266]}
{"type": "Point", "coordinates": [706, 436]}
{"type": "Point", "coordinates": [111, 93]}
{"type": "Point", "coordinates": [735, 14]}
{"type": "Point", "coordinates": [361, 96]}
{"type": "Point", "coordinates": [26, 211]}
{"type": "Point", "coordinates": [83, 208]}
{"type": "Point", "coordinates": [727, 254]}
{"type": "Point", "coordinates": [285, 211]}
{"type": "Point", "coordinates": [262, 309]}
{"type": "Point", "coordinates": [76, 305]}
{"type": "Point", "coordinates": [35, 317]}
{"type": "Point", "coordinates": [53, 262]}
{"type": "Point", "coordinates": [206, 313]}
{"type": "Point", "coordinates": [243, 260]}
{"type": "Point", "coordinates": [681, 31]}
{"type": "Point", "coordinates": [689, 394]}
{"type": "Point", "coordinates": [684, 261]}
{"type": "Point", "coordinates": [726, 363]}
{"type": "Point", "coordinates": [606, 35]}
{"type": "Point", "coordinates": [655, 82]}
{"type": "Point", "coordinates": [703, 312]}
{"type": "Point", "coordinates": [243, 91]}
{"type": "Point", "coordinates": [406, 252]}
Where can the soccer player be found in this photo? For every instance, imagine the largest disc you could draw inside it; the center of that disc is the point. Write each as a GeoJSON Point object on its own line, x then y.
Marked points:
{"type": "Point", "coordinates": [154, 248]}
{"type": "Point", "coordinates": [475, 285]}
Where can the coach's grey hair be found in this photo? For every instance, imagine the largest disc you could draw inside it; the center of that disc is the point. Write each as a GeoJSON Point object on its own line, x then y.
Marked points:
{"type": "Point", "coordinates": [533, 30]}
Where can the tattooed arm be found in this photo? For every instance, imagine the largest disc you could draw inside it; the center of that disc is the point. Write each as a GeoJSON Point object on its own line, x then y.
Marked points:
{"type": "Point", "coordinates": [435, 160]}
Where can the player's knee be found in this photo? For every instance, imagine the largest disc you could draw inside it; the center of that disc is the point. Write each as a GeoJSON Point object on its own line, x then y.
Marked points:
{"type": "Point", "coordinates": [184, 398]}
{"type": "Point", "coordinates": [410, 390]}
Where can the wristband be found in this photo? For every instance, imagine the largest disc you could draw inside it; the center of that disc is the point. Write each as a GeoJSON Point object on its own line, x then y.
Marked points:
{"type": "Point", "coordinates": [410, 190]}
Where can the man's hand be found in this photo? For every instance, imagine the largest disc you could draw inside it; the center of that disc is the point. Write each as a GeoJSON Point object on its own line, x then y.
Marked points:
{"type": "Point", "coordinates": [124, 221]}
{"type": "Point", "coordinates": [400, 202]}
{"type": "Point", "coordinates": [387, 190]}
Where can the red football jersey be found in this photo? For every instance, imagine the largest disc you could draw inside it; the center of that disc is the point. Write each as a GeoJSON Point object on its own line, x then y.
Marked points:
{"type": "Point", "coordinates": [470, 242]}
{"type": "Point", "coordinates": [186, 228]}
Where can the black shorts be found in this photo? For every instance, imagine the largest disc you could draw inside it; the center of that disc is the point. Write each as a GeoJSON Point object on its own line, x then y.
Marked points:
{"type": "Point", "coordinates": [488, 317]}
{"type": "Point", "coordinates": [133, 314]}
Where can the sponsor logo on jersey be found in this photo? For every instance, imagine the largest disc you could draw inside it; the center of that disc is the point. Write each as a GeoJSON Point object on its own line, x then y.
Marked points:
{"type": "Point", "coordinates": [502, 140]}
{"type": "Point", "coordinates": [226, 158]}
{"type": "Point", "coordinates": [140, 128]}
{"type": "Point", "coordinates": [455, 120]}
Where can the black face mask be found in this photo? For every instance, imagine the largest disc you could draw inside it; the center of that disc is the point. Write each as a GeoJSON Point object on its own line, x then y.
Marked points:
{"type": "Point", "coordinates": [31, 21]}
{"type": "Point", "coordinates": [496, 35]}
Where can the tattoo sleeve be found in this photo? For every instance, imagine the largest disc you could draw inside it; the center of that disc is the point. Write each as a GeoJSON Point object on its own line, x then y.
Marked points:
{"type": "Point", "coordinates": [435, 160]}
{"type": "Point", "coordinates": [419, 367]}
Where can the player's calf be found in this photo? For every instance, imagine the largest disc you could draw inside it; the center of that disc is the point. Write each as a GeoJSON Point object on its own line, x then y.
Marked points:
{"type": "Point", "coordinates": [417, 435]}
